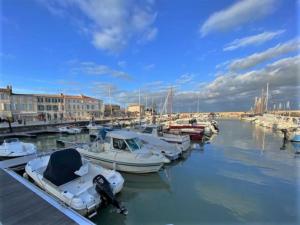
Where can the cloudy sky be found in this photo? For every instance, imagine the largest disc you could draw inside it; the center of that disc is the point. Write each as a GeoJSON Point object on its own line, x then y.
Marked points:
{"type": "Point", "coordinates": [220, 53]}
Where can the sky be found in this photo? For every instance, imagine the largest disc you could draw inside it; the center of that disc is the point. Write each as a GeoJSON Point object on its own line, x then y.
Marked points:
{"type": "Point", "coordinates": [218, 53]}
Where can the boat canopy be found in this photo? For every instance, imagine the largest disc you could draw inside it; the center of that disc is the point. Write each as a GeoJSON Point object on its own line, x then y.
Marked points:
{"type": "Point", "coordinates": [121, 134]}
{"type": "Point", "coordinates": [62, 166]}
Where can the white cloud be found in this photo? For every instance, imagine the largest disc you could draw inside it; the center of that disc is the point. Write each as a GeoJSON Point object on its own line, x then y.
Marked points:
{"type": "Point", "coordinates": [92, 68]}
{"type": "Point", "coordinates": [149, 66]}
{"type": "Point", "coordinates": [112, 24]}
{"type": "Point", "coordinates": [229, 91]}
{"type": "Point", "coordinates": [185, 78]}
{"type": "Point", "coordinates": [252, 40]}
{"type": "Point", "coordinates": [257, 58]}
{"type": "Point", "coordinates": [122, 64]}
{"type": "Point", "coordinates": [237, 14]}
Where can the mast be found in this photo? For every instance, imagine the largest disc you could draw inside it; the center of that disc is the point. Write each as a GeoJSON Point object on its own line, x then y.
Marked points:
{"type": "Point", "coordinates": [267, 97]}
{"type": "Point", "coordinates": [110, 102]}
{"type": "Point", "coordinates": [198, 103]}
{"type": "Point", "coordinates": [140, 106]}
{"type": "Point", "coordinates": [146, 102]}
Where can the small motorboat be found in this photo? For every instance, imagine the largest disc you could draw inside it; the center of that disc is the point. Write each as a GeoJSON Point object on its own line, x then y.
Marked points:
{"type": "Point", "coordinates": [155, 144]}
{"type": "Point", "coordinates": [69, 178]}
{"type": "Point", "coordinates": [93, 129]}
{"type": "Point", "coordinates": [69, 130]}
{"type": "Point", "coordinates": [181, 141]}
{"type": "Point", "coordinates": [13, 147]}
{"type": "Point", "coordinates": [295, 136]}
{"type": "Point", "coordinates": [123, 151]}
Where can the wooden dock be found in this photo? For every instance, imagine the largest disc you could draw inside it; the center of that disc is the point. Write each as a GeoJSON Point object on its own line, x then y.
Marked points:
{"type": "Point", "coordinates": [24, 203]}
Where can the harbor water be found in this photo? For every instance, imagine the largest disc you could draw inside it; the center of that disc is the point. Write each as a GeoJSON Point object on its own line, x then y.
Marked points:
{"type": "Point", "coordinates": [244, 175]}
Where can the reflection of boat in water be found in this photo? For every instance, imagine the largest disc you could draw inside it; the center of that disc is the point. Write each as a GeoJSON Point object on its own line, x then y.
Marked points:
{"type": "Point", "coordinates": [149, 182]}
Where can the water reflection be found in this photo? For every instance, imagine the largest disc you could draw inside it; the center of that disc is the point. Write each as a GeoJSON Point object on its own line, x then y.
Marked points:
{"type": "Point", "coordinates": [241, 176]}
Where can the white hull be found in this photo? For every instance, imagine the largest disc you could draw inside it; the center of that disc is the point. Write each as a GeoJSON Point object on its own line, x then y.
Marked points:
{"type": "Point", "coordinates": [124, 167]}
{"type": "Point", "coordinates": [16, 149]}
{"type": "Point", "coordinates": [70, 130]}
{"type": "Point", "coordinates": [126, 162]}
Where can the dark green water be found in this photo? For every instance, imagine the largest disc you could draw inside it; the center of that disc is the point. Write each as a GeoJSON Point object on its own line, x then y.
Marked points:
{"type": "Point", "coordinates": [242, 176]}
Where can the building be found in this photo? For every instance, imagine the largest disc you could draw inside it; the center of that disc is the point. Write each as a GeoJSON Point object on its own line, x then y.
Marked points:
{"type": "Point", "coordinates": [135, 109]}
{"type": "Point", "coordinates": [45, 107]}
{"type": "Point", "coordinates": [50, 107]}
{"type": "Point", "coordinates": [17, 106]}
{"type": "Point", "coordinates": [83, 107]}
{"type": "Point", "coordinates": [112, 110]}
{"type": "Point", "coordinates": [5, 108]}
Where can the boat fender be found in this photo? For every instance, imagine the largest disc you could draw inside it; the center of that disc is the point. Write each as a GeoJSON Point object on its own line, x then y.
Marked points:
{"type": "Point", "coordinates": [103, 188]}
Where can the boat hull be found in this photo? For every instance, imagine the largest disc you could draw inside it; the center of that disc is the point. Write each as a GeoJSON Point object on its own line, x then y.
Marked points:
{"type": "Point", "coordinates": [124, 166]}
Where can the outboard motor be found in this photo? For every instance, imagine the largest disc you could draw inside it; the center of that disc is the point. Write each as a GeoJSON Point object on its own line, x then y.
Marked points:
{"type": "Point", "coordinates": [104, 190]}
{"type": "Point", "coordinates": [215, 125]}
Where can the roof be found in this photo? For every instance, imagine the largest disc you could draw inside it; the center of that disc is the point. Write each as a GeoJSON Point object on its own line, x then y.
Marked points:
{"type": "Point", "coordinates": [122, 134]}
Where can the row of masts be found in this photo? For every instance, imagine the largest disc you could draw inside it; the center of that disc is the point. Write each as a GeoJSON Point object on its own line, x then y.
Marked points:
{"type": "Point", "coordinates": [261, 104]}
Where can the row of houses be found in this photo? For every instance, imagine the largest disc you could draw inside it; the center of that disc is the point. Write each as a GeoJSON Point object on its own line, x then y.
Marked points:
{"type": "Point", "coordinates": [33, 107]}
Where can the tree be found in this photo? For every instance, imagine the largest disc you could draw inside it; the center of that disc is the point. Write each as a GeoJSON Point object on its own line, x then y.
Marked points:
{"type": "Point", "coordinates": [7, 121]}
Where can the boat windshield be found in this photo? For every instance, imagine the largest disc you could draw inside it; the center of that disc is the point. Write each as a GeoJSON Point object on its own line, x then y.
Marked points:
{"type": "Point", "coordinates": [134, 144]}
{"type": "Point", "coordinates": [11, 140]}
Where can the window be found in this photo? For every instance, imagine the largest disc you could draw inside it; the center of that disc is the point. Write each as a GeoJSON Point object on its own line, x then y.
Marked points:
{"type": "Point", "coordinates": [41, 108]}
{"type": "Point", "coordinates": [55, 108]}
{"type": "Point", "coordinates": [147, 130]}
{"type": "Point", "coordinates": [119, 144]}
{"type": "Point", "coordinates": [48, 107]}
{"type": "Point", "coordinates": [134, 143]}
{"type": "Point", "coordinates": [92, 106]}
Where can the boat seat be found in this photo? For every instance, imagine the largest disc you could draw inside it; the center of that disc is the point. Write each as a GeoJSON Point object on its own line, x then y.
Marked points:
{"type": "Point", "coordinates": [78, 186]}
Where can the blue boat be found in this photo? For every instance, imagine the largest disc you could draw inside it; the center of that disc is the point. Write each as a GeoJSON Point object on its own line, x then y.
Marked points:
{"type": "Point", "coordinates": [296, 138]}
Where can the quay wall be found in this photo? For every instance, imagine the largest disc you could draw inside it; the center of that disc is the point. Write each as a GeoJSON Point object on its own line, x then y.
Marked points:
{"type": "Point", "coordinates": [51, 126]}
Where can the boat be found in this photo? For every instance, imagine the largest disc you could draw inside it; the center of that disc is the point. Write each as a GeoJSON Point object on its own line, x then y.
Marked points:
{"type": "Point", "coordinates": [295, 136]}
{"type": "Point", "coordinates": [13, 147]}
{"type": "Point", "coordinates": [123, 151]}
{"type": "Point", "coordinates": [196, 130]}
{"type": "Point", "coordinates": [93, 129]}
{"type": "Point", "coordinates": [71, 181]}
{"type": "Point", "coordinates": [157, 145]}
{"type": "Point", "coordinates": [69, 130]}
{"type": "Point", "coordinates": [181, 141]}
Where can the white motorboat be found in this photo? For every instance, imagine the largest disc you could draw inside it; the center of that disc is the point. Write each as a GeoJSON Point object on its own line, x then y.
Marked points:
{"type": "Point", "coordinates": [93, 129]}
{"type": "Point", "coordinates": [69, 178]}
{"type": "Point", "coordinates": [12, 147]}
{"type": "Point", "coordinates": [124, 151]}
{"type": "Point", "coordinates": [69, 130]}
{"type": "Point", "coordinates": [181, 141]}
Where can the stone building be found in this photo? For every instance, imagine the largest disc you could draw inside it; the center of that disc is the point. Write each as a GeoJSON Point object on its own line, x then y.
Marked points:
{"type": "Point", "coordinates": [112, 110]}
{"type": "Point", "coordinates": [135, 109]}
{"type": "Point", "coordinates": [46, 107]}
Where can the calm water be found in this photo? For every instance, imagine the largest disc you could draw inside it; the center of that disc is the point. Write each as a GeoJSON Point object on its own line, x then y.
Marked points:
{"type": "Point", "coordinates": [242, 176]}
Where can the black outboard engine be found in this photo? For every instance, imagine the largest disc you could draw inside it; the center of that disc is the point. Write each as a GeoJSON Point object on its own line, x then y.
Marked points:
{"type": "Point", "coordinates": [104, 190]}
{"type": "Point", "coordinates": [215, 125]}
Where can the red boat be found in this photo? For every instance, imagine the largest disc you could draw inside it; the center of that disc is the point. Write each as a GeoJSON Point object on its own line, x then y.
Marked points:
{"type": "Point", "coordinates": [194, 131]}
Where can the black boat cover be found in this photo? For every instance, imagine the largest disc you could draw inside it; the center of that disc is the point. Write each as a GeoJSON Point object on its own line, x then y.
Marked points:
{"type": "Point", "coordinates": [62, 165]}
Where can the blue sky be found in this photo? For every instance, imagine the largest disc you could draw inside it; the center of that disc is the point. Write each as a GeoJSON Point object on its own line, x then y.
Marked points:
{"type": "Point", "coordinates": [220, 52]}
